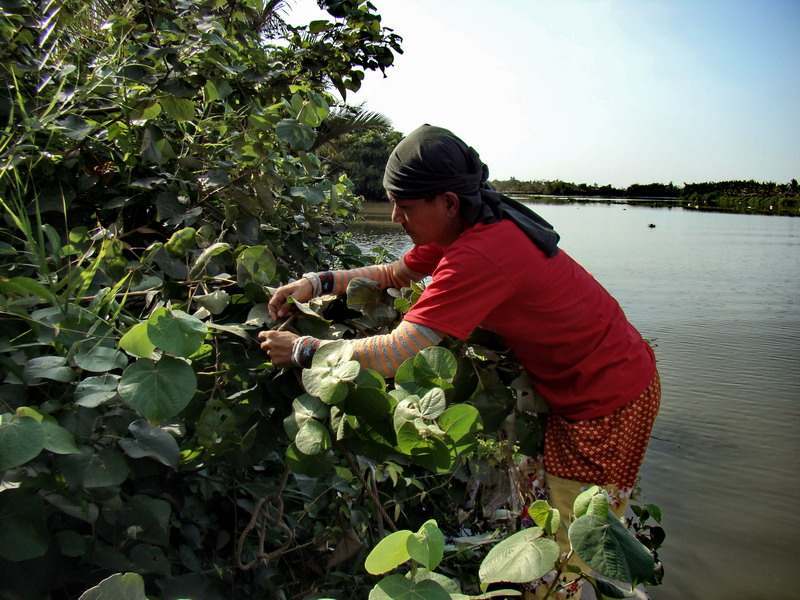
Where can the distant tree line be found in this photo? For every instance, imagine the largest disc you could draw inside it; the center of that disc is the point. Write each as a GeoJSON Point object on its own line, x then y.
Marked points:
{"type": "Point", "coordinates": [737, 196]}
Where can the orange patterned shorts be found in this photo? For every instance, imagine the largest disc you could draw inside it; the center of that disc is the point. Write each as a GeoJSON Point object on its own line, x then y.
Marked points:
{"type": "Point", "coordinates": [607, 450]}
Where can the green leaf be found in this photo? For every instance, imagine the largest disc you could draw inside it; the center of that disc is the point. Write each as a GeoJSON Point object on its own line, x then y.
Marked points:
{"type": "Point", "coordinates": [312, 438]}
{"type": "Point", "coordinates": [22, 521]}
{"type": "Point", "coordinates": [389, 553]}
{"type": "Point", "coordinates": [581, 503]}
{"type": "Point", "coordinates": [99, 359]}
{"type": "Point", "coordinates": [25, 286]}
{"type": "Point", "coordinates": [256, 265]}
{"type": "Point", "coordinates": [151, 442]}
{"type": "Point", "coordinates": [397, 587]}
{"type": "Point", "coordinates": [181, 241]}
{"type": "Point", "coordinates": [205, 256]}
{"type": "Point", "coordinates": [158, 390]}
{"type": "Point", "coordinates": [520, 558]}
{"type": "Point", "coordinates": [215, 302]}
{"type": "Point", "coordinates": [49, 367]}
{"type": "Point", "coordinates": [91, 469]}
{"type": "Point", "coordinates": [180, 109]}
{"type": "Point", "coordinates": [330, 369]}
{"type": "Point", "coordinates": [75, 127]}
{"type": "Point", "coordinates": [432, 404]}
{"type": "Point", "coordinates": [427, 545]}
{"type": "Point", "coordinates": [57, 439]}
{"type": "Point", "coordinates": [544, 516]}
{"type": "Point", "coordinates": [21, 440]}
{"type": "Point", "coordinates": [145, 111]}
{"type": "Point", "coordinates": [136, 342]}
{"type": "Point", "coordinates": [127, 586]}
{"type": "Point", "coordinates": [606, 546]}
{"type": "Point", "coordinates": [94, 391]}
{"type": "Point", "coordinates": [175, 332]}
{"type": "Point", "coordinates": [451, 586]}
{"type": "Point", "coordinates": [460, 421]}
{"type": "Point", "coordinates": [72, 544]}
{"type": "Point", "coordinates": [487, 595]}
{"type": "Point", "coordinates": [154, 148]}
{"type": "Point", "coordinates": [299, 136]}
{"type": "Point", "coordinates": [312, 466]}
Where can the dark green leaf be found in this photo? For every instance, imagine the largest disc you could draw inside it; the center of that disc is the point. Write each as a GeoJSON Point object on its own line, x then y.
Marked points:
{"type": "Point", "coordinates": [21, 440]}
{"type": "Point", "coordinates": [397, 587]}
{"type": "Point", "coordinates": [180, 109]}
{"type": "Point", "coordinates": [94, 391]}
{"type": "Point", "coordinates": [606, 546]}
{"type": "Point", "coordinates": [158, 390]}
{"type": "Point", "coordinates": [175, 332]}
{"type": "Point", "coordinates": [22, 521]}
{"type": "Point", "coordinates": [152, 442]}
{"type": "Point", "coordinates": [298, 135]}
{"type": "Point", "coordinates": [91, 469]}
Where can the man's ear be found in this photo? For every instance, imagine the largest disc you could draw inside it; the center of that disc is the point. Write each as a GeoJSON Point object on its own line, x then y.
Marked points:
{"type": "Point", "coordinates": [452, 203]}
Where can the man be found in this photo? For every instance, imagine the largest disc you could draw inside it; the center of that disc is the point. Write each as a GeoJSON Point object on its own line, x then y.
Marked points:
{"type": "Point", "coordinates": [496, 264]}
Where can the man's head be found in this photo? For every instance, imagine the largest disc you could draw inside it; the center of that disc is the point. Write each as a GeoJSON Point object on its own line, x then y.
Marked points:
{"type": "Point", "coordinates": [432, 219]}
{"type": "Point", "coordinates": [433, 167]}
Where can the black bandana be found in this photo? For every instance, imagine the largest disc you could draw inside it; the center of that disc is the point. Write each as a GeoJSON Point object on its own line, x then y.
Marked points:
{"type": "Point", "coordinates": [431, 160]}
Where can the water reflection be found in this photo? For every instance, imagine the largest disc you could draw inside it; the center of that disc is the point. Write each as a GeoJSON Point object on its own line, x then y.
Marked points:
{"type": "Point", "coordinates": [720, 295]}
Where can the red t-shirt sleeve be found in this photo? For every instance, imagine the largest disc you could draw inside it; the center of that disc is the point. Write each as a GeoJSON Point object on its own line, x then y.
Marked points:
{"type": "Point", "coordinates": [423, 259]}
{"type": "Point", "coordinates": [465, 288]}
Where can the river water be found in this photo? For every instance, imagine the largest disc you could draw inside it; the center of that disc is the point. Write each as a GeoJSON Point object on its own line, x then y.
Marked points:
{"type": "Point", "coordinates": [719, 294]}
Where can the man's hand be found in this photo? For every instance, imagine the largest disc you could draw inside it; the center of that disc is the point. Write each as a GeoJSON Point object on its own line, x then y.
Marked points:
{"type": "Point", "coordinates": [278, 346]}
{"type": "Point", "coordinates": [301, 290]}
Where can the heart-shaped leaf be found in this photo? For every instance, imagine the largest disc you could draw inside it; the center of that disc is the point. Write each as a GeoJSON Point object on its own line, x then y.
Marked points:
{"type": "Point", "coordinates": [175, 332]}
{"type": "Point", "coordinates": [427, 545]}
{"type": "Point", "coordinates": [520, 558]}
{"type": "Point", "coordinates": [94, 391]}
{"type": "Point", "coordinates": [151, 442]}
{"type": "Point", "coordinates": [158, 390]}
{"type": "Point", "coordinates": [21, 440]}
{"type": "Point", "coordinates": [389, 553]}
{"type": "Point", "coordinates": [136, 341]}
{"type": "Point", "coordinates": [610, 549]}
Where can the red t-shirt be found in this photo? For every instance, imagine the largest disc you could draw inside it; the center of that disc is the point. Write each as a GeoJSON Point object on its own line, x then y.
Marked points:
{"type": "Point", "coordinates": [569, 333]}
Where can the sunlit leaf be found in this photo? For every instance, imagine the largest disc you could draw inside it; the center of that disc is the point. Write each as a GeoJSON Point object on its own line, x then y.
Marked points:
{"type": "Point", "coordinates": [312, 438]}
{"type": "Point", "coordinates": [389, 553]}
{"type": "Point", "coordinates": [426, 546]}
{"type": "Point", "coordinates": [520, 558]}
{"type": "Point", "coordinates": [136, 341]}
{"type": "Point", "coordinates": [120, 586]}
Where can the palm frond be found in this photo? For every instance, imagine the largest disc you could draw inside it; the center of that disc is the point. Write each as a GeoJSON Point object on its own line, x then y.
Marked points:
{"type": "Point", "coordinates": [345, 119]}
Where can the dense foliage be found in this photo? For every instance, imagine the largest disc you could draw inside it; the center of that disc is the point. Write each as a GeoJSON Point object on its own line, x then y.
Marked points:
{"type": "Point", "coordinates": [362, 156]}
{"type": "Point", "coordinates": [156, 177]}
{"type": "Point", "coordinates": [735, 196]}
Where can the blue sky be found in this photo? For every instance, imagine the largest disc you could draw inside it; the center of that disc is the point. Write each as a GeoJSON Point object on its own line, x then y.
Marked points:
{"type": "Point", "coordinates": [600, 91]}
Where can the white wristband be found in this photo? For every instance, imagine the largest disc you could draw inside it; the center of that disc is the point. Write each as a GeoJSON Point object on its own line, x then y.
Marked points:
{"type": "Point", "coordinates": [316, 283]}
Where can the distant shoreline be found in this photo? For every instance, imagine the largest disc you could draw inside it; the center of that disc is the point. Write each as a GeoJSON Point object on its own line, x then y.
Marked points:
{"type": "Point", "coordinates": [378, 213]}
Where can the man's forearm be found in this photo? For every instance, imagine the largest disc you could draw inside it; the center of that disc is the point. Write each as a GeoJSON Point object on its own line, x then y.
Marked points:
{"type": "Point", "coordinates": [395, 274]}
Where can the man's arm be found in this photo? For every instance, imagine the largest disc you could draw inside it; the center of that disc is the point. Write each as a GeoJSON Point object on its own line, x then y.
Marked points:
{"type": "Point", "coordinates": [383, 353]}
{"type": "Point", "coordinates": [395, 274]}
